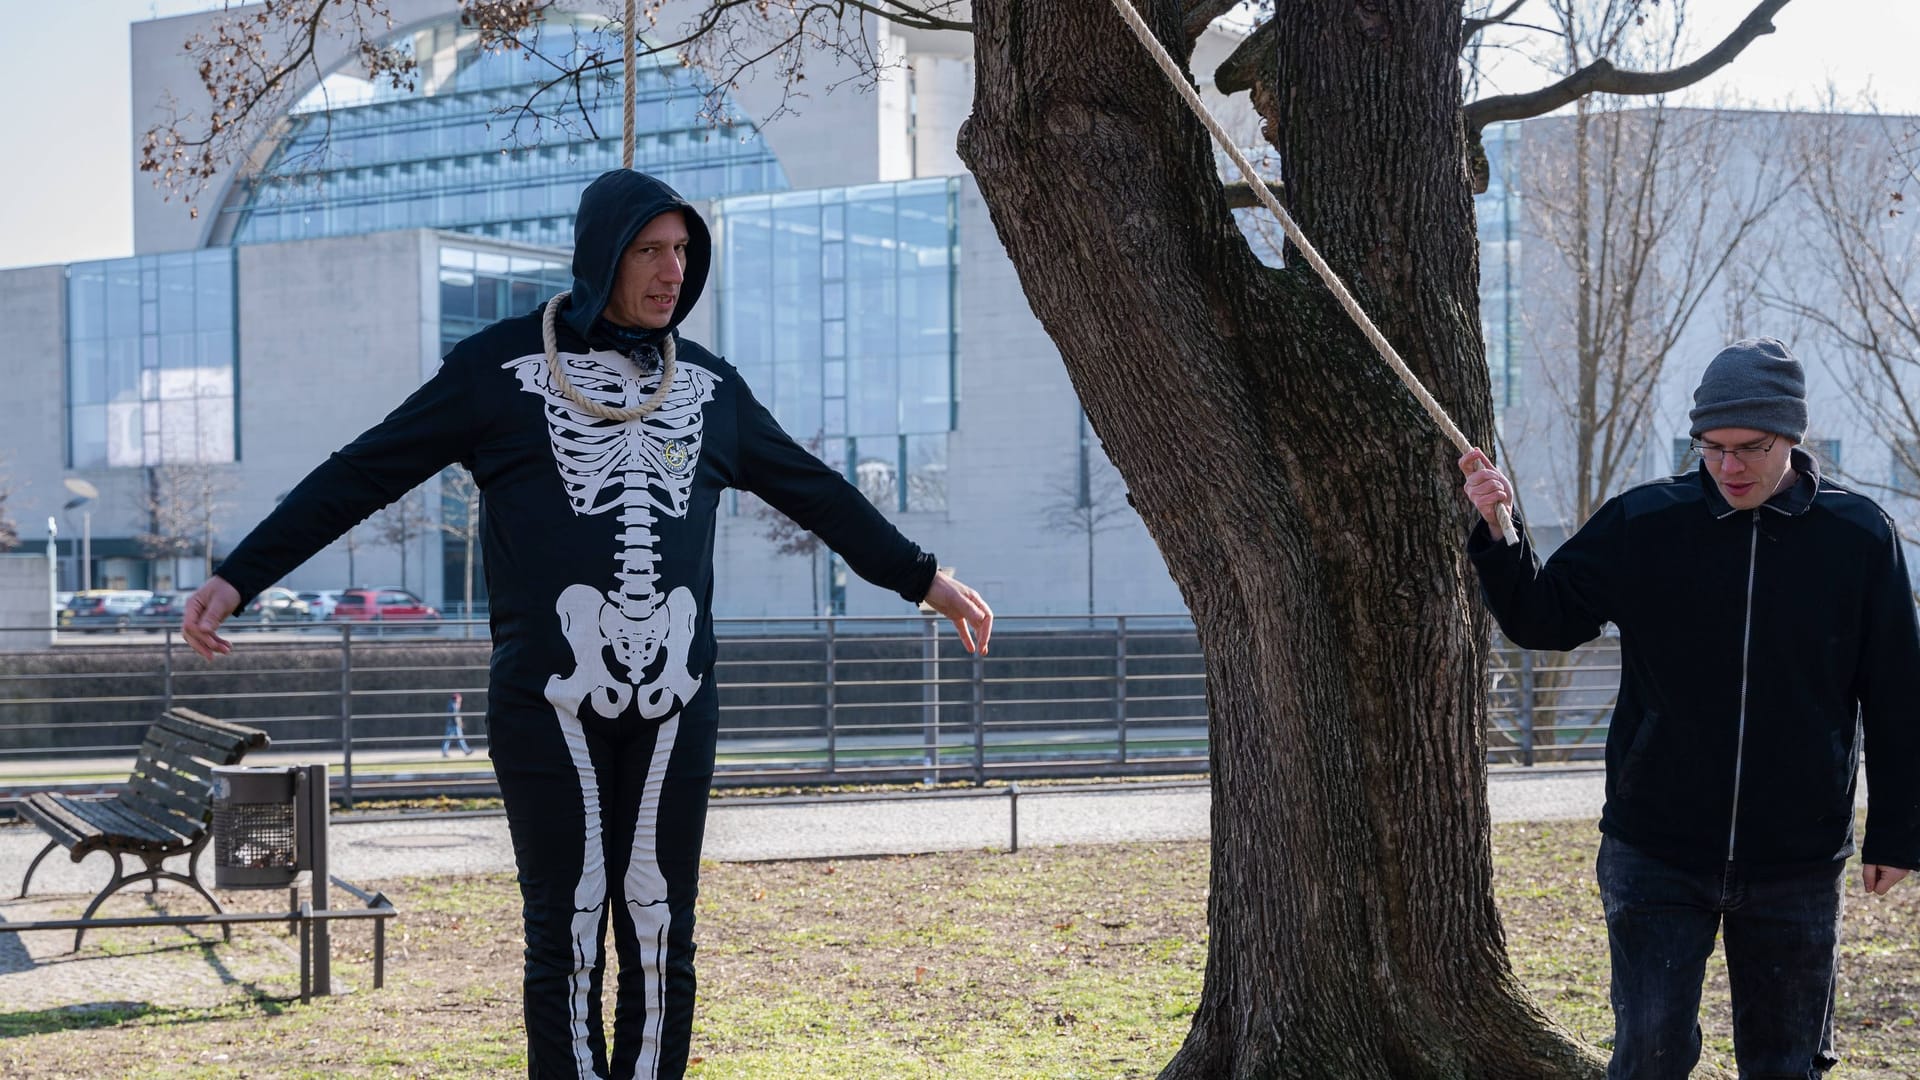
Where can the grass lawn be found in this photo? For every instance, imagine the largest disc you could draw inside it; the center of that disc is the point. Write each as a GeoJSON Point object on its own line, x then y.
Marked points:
{"type": "Point", "coordinates": [1053, 963]}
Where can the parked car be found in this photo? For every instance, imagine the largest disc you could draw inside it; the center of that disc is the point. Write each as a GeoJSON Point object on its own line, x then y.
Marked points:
{"type": "Point", "coordinates": [103, 609]}
{"type": "Point", "coordinates": [162, 609]}
{"type": "Point", "coordinates": [383, 604]}
{"type": "Point", "coordinates": [321, 602]}
{"type": "Point", "coordinates": [274, 605]}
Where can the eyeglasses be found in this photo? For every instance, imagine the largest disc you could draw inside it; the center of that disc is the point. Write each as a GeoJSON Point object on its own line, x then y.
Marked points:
{"type": "Point", "coordinates": [1746, 455]}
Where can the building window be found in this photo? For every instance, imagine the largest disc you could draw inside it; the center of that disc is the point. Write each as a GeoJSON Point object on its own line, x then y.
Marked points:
{"type": "Point", "coordinates": [152, 361]}
{"type": "Point", "coordinates": [1684, 459]}
{"type": "Point", "coordinates": [838, 306]}
{"type": "Point", "coordinates": [446, 152]}
{"type": "Point", "coordinates": [1905, 477]}
{"type": "Point", "coordinates": [479, 287]}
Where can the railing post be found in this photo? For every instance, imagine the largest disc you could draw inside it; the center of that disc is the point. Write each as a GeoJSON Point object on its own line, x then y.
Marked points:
{"type": "Point", "coordinates": [1526, 707]}
{"type": "Point", "coordinates": [346, 713]}
{"type": "Point", "coordinates": [930, 698]}
{"type": "Point", "coordinates": [1013, 817]}
{"type": "Point", "coordinates": [166, 670]}
{"type": "Point", "coordinates": [1120, 684]}
{"type": "Point", "coordinates": [833, 731]}
{"type": "Point", "coordinates": [979, 709]}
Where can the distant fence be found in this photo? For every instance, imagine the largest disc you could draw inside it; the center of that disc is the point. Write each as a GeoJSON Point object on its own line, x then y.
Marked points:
{"type": "Point", "coordinates": [802, 701]}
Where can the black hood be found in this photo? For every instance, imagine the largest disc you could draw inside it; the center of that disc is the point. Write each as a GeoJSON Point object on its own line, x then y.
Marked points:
{"type": "Point", "coordinates": [613, 210]}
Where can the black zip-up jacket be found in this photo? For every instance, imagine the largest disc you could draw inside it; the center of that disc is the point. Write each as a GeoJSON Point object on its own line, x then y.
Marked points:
{"type": "Point", "coordinates": [1756, 648]}
{"type": "Point", "coordinates": [598, 536]}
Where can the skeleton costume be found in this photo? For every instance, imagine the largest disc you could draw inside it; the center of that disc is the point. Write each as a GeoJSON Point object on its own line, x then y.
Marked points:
{"type": "Point", "coordinates": [598, 537]}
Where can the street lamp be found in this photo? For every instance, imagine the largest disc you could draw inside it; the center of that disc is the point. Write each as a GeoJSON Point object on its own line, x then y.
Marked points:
{"type": "Point", "coordinates": [83, 493]}
{"type": "Point", "coordinates": [53, 571]}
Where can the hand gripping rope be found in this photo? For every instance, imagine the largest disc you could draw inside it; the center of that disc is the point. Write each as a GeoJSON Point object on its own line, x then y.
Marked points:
{"type": "Point", "coordinates": [1299, 239]}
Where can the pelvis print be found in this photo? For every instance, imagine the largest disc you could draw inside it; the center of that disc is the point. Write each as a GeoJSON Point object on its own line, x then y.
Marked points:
{"type": "Point", "coordinates": [634, 642]}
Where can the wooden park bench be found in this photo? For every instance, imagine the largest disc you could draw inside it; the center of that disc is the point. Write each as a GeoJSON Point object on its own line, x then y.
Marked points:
{"type": "Point", "coordinates": [165, 809]}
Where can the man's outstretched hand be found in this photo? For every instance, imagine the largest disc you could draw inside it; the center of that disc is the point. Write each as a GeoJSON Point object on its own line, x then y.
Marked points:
{"type": "Point", "coordinates": [207, 608]}
{"type": "Point", "coordinates": [970, 614]}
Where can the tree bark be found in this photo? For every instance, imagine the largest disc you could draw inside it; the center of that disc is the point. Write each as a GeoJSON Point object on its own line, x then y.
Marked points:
{"type": "Point", "coordinates": [1306, 507]}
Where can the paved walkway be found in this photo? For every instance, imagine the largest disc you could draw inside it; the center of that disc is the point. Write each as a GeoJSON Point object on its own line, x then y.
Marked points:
{"type": "Point", "coordinates": [755, 829]}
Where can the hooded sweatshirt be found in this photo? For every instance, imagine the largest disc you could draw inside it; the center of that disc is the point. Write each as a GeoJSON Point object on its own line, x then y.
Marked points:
{"type": "Point", "coordinates": [598, 536]}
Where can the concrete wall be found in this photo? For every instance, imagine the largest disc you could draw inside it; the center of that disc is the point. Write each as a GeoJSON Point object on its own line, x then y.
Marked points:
{"type": "Point", "coordinates": [33, 305]}
{"type": "Point", "coordinates": [26, 600]}
{"type": "Point", "coordinates": [333, 335]}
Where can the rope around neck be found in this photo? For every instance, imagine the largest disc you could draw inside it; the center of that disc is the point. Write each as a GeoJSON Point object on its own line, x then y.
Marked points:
{"type": "Point", "coordinates": [1299, 239]}
{"type": "Point", "coordinates": [586, 404]}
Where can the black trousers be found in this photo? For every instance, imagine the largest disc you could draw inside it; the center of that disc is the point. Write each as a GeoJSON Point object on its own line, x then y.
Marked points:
{"type": "Point", "coordinates": [607, 819]}
{"type": "Point", "coordinates": [1781, 932]}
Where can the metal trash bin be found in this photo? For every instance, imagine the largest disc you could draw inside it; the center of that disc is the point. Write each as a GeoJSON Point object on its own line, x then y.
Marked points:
{"type": "Point", "coordinates": [256, 827]}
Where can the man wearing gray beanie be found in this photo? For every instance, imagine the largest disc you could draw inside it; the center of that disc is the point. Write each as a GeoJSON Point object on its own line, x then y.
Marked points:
{"type": "Point", "coordinates": [1766, 625]}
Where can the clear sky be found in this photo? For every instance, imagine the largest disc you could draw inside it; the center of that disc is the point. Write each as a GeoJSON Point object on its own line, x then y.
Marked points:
{"type": "Point", "coordinates": [66, 190]}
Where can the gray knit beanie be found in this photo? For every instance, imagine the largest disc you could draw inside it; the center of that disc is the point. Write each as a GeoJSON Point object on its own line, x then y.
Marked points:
{"type": "Point", "coordinates": [1755, 383]}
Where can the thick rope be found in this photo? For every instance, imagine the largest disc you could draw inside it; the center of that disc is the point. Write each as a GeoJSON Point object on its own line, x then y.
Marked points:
{"type": "Point", "coordinates": [626, 150]}
{"type": "Point", "coordinates": [586, 404]}
{"type": "Point", "coordinates": [1299, 239]}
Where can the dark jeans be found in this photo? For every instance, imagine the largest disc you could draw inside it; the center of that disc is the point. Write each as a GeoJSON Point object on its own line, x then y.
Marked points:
{"type": "Point", "coordinates": [1781, 934]}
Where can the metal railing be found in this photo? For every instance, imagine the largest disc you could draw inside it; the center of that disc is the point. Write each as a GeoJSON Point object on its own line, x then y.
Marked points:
{"type": "Point", "coordinates": [802, 701]}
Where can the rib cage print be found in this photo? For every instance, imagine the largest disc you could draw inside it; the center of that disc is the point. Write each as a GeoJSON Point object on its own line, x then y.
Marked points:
{"type": "Point", "coordinates": [640, 470]}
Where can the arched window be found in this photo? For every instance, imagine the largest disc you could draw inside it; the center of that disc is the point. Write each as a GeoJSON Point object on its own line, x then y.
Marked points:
{"type": "Point", "coordinates": [361, 157]}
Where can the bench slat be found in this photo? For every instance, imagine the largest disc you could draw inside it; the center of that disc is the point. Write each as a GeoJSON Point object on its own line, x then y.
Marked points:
{"type": "Point", "coordinates": [179, 811]}
{"type": "Point", "coordinates": [111, 827]}
{"type": "Point", "coordinates": [231, 739]}
{"type": "Point", "coordinates": [187, 754]}
{"type": "Point", "coordinates": [175, 770]}
{"type": "Point", "coordinates": [53, 819]}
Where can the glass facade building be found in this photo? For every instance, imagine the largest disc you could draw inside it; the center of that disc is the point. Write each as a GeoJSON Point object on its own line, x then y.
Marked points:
{"type": "Point", "coordinates": [449, 151]}
{"type": "Point", "coordinates": [151, 361]}
{"type": "Point", "coordinates": [1498, 210]}
{"type": "Point", "coordinates": [480, 287]}
{"type": "Point", "coordinates": [840, 307]}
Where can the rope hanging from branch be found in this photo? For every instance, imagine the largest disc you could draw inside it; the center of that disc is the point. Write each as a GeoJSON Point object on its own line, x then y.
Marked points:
{"type": "Point", "coordinates": [1299, 239]}
{"type": "Point", "coordinates": [626, 147]}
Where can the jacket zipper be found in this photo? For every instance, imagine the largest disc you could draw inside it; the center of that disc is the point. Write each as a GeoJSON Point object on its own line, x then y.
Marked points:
{"type": "Point", "coordinates": [1746, 659]}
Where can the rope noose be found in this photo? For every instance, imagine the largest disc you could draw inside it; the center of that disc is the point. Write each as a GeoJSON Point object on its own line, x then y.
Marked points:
{"type": "Point", "coordinates": [1300, 241]}
{"type": "Point", "coordinates": [586, 404]}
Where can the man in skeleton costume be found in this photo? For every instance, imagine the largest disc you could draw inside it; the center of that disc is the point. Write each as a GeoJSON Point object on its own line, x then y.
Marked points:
{"type": "Point", "coordinates": [601, 443]}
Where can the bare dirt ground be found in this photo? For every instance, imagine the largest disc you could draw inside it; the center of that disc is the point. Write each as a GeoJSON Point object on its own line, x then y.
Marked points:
{"type": "Point", "coordinates": [1059, 963]}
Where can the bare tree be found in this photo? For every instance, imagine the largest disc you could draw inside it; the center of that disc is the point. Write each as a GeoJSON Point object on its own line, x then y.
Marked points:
{"type": "Point", "coordinates": [460, 519]}
{"type": "Point", "coordinates": [183, 505]}
{"type": "Point", "coordinates": [1345, 651]}
{"type": "Point", "coordinates": [403, 521]}
{"type": "Point", "coordinates": [1645, 207]}
{"type": "Point", "coordinates": [1088, 500]}
{"type": "Point", "coordinates": [9, 532]}
{"type": "Point", "coordinates": [1859, 255]}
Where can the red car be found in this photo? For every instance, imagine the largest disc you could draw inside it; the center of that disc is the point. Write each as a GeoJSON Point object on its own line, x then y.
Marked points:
{"type": "Point", "coordinates": [397, 605]}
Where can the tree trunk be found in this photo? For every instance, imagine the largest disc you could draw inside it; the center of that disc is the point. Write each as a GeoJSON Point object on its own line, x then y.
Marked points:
{"type": "Point", "coordinates": [1306, 508]}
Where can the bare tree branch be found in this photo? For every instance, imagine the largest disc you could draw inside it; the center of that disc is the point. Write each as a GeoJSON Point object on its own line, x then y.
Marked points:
{"type": "Point", "coordinates": [1471, 27]}
{"type": "Point", "coordinates": [1602, 77]}
{"type": "Point", "coordinates": [1201, 13]}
